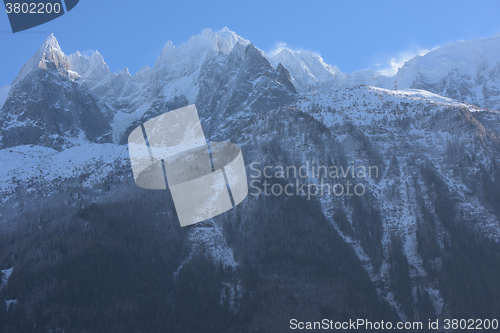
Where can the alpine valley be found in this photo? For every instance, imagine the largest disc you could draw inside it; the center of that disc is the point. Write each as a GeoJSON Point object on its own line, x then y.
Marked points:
{"type": "Point", "coordinates": [83, 249]}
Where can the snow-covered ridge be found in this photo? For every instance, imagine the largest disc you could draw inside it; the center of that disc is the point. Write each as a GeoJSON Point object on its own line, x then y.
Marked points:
{"type": "Point", "coordinates": [464, 57]}
{"type": "Point", "coordinates": [49, 53]}
{"type": "Point", "coordinates": [361, 105]}
{"type": "Point", "coordinates": [23, 165]}
{"type": "Point", "coordinates": [468, 71]}
{"type": "Point", "coordinates": [308, 70]}
{"type": "Point", "coordinates": [177, 66]}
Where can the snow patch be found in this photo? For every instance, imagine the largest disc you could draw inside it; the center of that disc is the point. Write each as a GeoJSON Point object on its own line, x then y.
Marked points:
{"type": "Point", "coordinates": [6, 273]}
{"type": "Point", "coordinates": [24, 164]}
{"type": "Point", "coordinates": [209, 234]}
{"type": "Point", "coordinates": [10, 302]}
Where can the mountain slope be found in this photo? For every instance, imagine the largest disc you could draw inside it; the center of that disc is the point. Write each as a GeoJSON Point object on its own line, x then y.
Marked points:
{"type": "Point", "coordinates": [420, 243]}
{"type": "Point", "coordinates": [238, 85]}
{"type": "Point", "coordinates": [4, 93]}
{"type": "Point", "coordinates": [468, 71]}
{"type": "Point", "coordinates": [46, 106]}
{"type": "Point", "coordinates": [308, 70]}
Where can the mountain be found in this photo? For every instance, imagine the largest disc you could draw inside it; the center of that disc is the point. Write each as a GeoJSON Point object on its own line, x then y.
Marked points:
{"type": "Point", "coordinates": [46, 106]}
{"type": "Point", "coordinates": [467, 71]}
{"type": "Point", "coordinates": [308, 70]}
{"type": "Point", "coordinates": [87, 250]}
{"type": "Point", "coordinates": [97, 76]}
{"type": "Point", "coordinates": [48, 57]}
{"type": "Point", "coordinates": [236, 86]}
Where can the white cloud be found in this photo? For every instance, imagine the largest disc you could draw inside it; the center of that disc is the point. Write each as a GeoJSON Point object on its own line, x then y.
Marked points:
{"type": "Point", "coordinates": [277, 48]}
{"type": "Point", "coordinates": [87, 53]}
{"type": "Point", "coordinates": [391, 66]}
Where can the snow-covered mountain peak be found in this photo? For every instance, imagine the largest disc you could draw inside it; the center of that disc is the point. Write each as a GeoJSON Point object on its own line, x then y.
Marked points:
{"type": "Point", "coordinates": [48, 57]}
{"type": "Point", "coordinates": [307, 69]}
{"type": "Point", "coordinates": [229, 36]}
{"type": "Point", "coordinates": [177, 69]}
{"type": "Point", "coordinates": [464, 56]}
{"type": "Point", "coordinates": [124, 71]}
{"type": "Point", "coordinates": [220, 41]}
{"type": "Point", "coordinates": [51, 52]}
{"type": "Point", "coordinates": [466, 71]}
{"type": "Point", "coordinates": [187, 54]}
{"type": "Point", "coordinates": [90, 68]}
{"type": "Point", "coordinates": [96, 57]}
{"type": "Point", "coordinates": [52, 41]}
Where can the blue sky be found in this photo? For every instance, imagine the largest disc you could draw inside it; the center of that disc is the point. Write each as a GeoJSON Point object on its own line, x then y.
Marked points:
{"type": "Point", "coordinates": [352, 35]}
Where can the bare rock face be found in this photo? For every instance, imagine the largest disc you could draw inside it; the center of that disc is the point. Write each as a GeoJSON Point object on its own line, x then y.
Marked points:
{"type": "Point", "coordinates": [237, 86]}
{"type": "Point", "coordinates": [51, 110]}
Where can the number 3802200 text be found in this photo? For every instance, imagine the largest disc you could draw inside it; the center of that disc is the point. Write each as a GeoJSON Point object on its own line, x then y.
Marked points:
{"type": "Point", "coordinates": [32, 8]}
